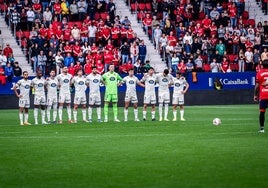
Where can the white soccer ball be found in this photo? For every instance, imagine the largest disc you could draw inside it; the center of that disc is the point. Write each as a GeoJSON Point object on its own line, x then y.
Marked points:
{"type": "Point", "coordinates": [216, 121]}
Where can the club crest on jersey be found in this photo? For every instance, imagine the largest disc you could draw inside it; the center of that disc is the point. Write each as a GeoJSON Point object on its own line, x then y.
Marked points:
{"type": "Point", "coordinates": [81, 83]}
{"type": "Point", "coordinates": [164, 80]}
{"type": "Point", "coordinates": [151, 82]}
{"type": "Point", "coordinates": [53, 85]}
{"type": "Point", "coordinates": [66, 81]}
{"type": "Point", "coordinates": [177, 84]}
{"type": "Point", "coordinates": [27, 86]}
{"type": "Point", "coordinates": [95, 81]}
{"type": "Point", "coordinates": [40, 85]}
{"type": "Point", "coordinates": [131, 82]}
{"type": "Point", "coordinates": [112, 78]}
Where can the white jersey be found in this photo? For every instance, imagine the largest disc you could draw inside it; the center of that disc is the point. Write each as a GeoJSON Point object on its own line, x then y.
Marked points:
{"type": "Point", "coordinates": [94, 81]}
{"type": "Point", "coordinates": [80, 86]}
{"type": "Point", "coordinates": [52, 86]}
{"type": "Point", "coordinates": [149, 82]}
{"type": "Point", "coordinates": [38, 85]}
{"type": "Point", "coordinates": [164, 82]}
{"type": "Point", "coordinates": [131, 83]}
{"type": "Point", "coordinates": [179, 84]}
{"type": "Point", "coordinates": [24, 87]}
{"type": "Point", "coordinates": [64, 82]}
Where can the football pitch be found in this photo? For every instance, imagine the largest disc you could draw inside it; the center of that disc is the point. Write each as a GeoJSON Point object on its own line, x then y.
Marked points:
{"type": "Point", "coordinates": [193, 153]}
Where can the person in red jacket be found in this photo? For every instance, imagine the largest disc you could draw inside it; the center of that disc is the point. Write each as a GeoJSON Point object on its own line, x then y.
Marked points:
{"type": "Point", "coordinates": [78, 66]}
{"type": "Point", "coordinates": [87, 68]}
{"type": "Point", "coordinates": [7, 50]}
{"type": "Point", "coordinates": [100, 67]}
{"type": "Point", "coordinates": [147, 23]}
{"type": "Point", "coordinates": [71, 69]}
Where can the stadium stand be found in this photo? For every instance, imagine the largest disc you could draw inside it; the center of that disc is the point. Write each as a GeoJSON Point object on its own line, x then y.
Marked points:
{"type": "Point", "coordinates": [52, 27]}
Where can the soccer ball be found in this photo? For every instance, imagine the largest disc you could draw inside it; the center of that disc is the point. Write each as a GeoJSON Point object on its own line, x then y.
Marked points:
{"type": "Point", "coordinates": [216, 121]}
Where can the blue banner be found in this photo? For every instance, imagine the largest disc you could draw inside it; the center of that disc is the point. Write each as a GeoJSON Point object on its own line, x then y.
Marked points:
{"type": "Point", "coordinates": [205, 81]}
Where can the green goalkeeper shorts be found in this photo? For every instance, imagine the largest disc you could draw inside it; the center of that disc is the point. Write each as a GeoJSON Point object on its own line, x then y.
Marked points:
{"type": "Point", "coordinates": [110, 97]}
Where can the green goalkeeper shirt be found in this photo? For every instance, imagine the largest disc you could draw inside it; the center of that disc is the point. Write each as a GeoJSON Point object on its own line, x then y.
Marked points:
{"type": "Point", "coordinates": [111, 80]}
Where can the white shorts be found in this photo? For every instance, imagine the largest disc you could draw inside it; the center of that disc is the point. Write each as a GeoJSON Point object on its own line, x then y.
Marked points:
{"type": "Point", "coordinates": [80, 100]}
{"type": "Point", "coordinates": [178, 100]}
{"type": "Point", "coordinates": [24, 103]}
{"type": "Point", "coordinates": [52, 100]}
{"type": "Point", "coordinates": [131, 97]}
{"type": "Point", "coordinates": [163, 97]}
{"type": "Point", "coordinates": [40, 100]}
{"type": "Point", "coordinates": [94, 98]}
{"type": "Point", "coordinates": [149, 98]}
{"type": "Point", "coordinates": [65, 98]}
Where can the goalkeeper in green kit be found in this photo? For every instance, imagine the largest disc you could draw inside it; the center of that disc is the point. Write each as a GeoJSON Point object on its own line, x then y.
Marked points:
{"type": "Point", "coordinates": [111, 80]}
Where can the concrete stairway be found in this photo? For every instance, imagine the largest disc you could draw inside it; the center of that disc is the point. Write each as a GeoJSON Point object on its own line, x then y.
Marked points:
{"type": "Point", "coordinates": [7, 37]}
{"type": "Point", "coordinates": [155, 60]}
{"type": "Point", "coordinates": [255, 11]}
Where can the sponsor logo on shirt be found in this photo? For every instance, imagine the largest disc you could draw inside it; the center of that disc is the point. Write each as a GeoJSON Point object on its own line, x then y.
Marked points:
{"type": "Point", "coordinates": [53, 85]}
{"type": "Point", "coordinates": [131, 82]}
{"type": "Point", "coordinates": [112, 78]}
{"type": "Point", "coordinates": [81, 83]}
{"type": "Point", "coordinates": [66, 81]}
{"type": "Point", "coordinates": [40, 85]}
{"type": "Point", "coordinates": [151, 82]}
{"type": "Point", "coordinates": [27, 86]}
{"type": "Point", "coordinates": [95, 81]}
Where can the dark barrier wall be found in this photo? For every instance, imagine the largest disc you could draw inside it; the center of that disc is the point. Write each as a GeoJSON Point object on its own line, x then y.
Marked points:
{"type": "Point", "coordinates": [193, 97]}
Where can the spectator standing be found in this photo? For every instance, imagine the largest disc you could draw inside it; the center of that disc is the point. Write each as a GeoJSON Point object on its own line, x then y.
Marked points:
{"type": "Point", "coordinates": [3, 59]}
{"type": "Point", "coordinates": [73, 11]}
{"type": "Point", "coordinates": [249, 59]}
{"type": "Point", "coordinates": [92, 30]}
{"type": "Point", "coordinates": [125, 52]}
{"type": "Point", "coordinates": [82, 9]}
{"type": "Point", "coordinates": [41, 62]}
{"type": "Point", "coordinates": [142, 52]}
{"type": "Point", "coordinates": [17, 69]}
{"type": "Point", "coordinates": [47, 16]}
{"type": "Point", "coordinates": [30, 18]}
{"type": "Point", "coordinates": [9, 73]}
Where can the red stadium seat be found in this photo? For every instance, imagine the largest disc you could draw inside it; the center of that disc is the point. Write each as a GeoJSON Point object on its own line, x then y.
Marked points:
{"type": "Point", "coordinates": [148, 6]}
{"type": "Point", "coordinates": [201, 16]}
{"type": "Point", "coordinates": [27, 34]}
{"type": "Point", "coordinates": [103, 16]}
{"type": "Point", "coordinates": [141, 6]}
{"type": "Point", "coordinates": [133, 7]}
{"type": "Point", "coordinates": [251, 22]}
{"type": "Point", "coordinates": [245, 15]}
{"type": "Point", "coordinates": [97, 16]}
{"type": "Point", "coordinates": [19, 34]}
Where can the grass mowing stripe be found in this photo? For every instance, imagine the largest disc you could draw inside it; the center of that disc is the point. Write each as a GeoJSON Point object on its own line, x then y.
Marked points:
{"type": "Point", "coordinates": [146, 154]}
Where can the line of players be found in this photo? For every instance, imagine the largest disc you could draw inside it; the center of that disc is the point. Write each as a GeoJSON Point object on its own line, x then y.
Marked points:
{"type": "Point", "coordinates": [58, 89]}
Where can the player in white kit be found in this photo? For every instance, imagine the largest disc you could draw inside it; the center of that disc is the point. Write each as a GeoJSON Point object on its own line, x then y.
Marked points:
{"type": "Point", "coordinates": [149, 81]}
{"type": "Point", "coordinates": [94, 80]}
{"type": "Point", "coordinates": [181, 86]}
{"type": "Point", "coordinates": [80, 86]}
{"type": "Point", "coordinates": [164, 80]}
{"type": "Point", "coordinates": [65, 94]}
{"type": "Point", "coordinates": [131, 94]}
{"type": "Point", "coordinates": [38, 86]}
{"type": "Point", "coordinates": [52, 85]}
{"type": "Point", "coordinates": [24, 86]}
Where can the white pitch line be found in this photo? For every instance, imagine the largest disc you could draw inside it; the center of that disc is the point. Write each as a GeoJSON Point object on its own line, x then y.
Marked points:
{"type": "Point", "coordinates": [58, 136]}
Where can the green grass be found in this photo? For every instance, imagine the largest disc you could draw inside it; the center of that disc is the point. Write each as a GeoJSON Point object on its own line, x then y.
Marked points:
{"type": "Point", "coordinates": [137, 154]}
